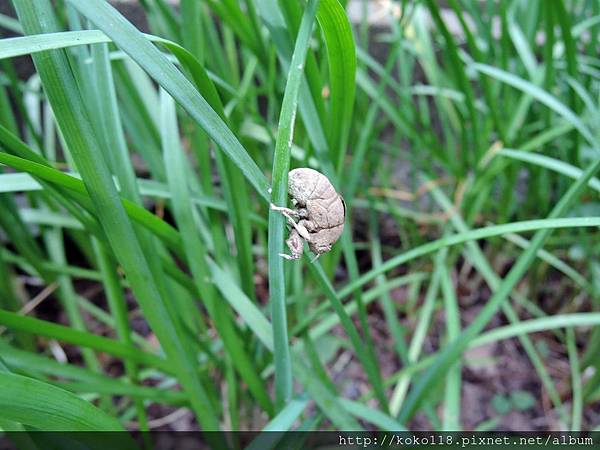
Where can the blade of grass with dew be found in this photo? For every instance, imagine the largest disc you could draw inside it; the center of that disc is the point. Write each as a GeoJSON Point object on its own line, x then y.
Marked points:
{"type": "Point", "coordinates": [453, 351]}
{"type": "Point", "coordinates": [281, 165]}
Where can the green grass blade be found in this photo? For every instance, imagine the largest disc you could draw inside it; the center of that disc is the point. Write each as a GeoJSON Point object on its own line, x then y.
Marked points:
{"type": "Point", "coordinates": [366, 358]}
{"type": "Point", "coordinates": [452, 394]}
{"type": "Point", "coordinates": [453, 351]}
{"type": "Point", "coordinates": [176, 167]}
{"type": "Point", "coordinates": [158, 226]}
{"type": "Point", "coordinates": [70, 113]}
{"type": "Point", "coordinates": [281, 166]}
{"type": "Point", "coordinates": [261, 327]}
{"type": "Point", "coordinates": [66, 334]}
{"type": "Point", "coordinates": [539, 94]}
{"type": "Point", "coordinates": [341, 58]}
{"type": "Point", "coordinates": [60, 410]}
{"type": "Point", "coordinates": [418, 338]}
{"type": "Point", "coordinates": [575, 381]}
{"type": "Point", "coordinates": [130, 40]}
{"type": "Point", "coordinates": [80, 380]}
{"type": "Point", "coordinates": [548, 162]}
{"type": "Point", "coordinates": [476, 234]}
{"type": "Point", "coordinates": [536, 325]}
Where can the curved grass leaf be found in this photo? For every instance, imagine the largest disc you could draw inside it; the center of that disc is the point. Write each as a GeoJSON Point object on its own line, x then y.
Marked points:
{"type": "Point", "coordinates": [132, 42]}
{"type": "Point", "coordinates": [455, 348]}
{"type": "Point", "coordinates": [139, 214]}
{"type": "Point", "coordinates": [70, 112]}
{"type": "Point", "coordinates": [479, 233]}
{"type": "Point", "coordinates": [37, 404]}
{"type": "Point", "coordinates": [539, 94]}
{"type": "Point", "coordinates": [549, 163]}
{"type": "Point", "coordinates": [62, 333]}
{"type": "Point", "coordinates": [80, 379]}
{"type": "Point", "coordinates": [537, 325]}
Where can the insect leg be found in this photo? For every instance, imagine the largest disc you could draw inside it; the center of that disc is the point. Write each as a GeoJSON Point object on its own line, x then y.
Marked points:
{"type": "Point", "coordinates": [286, 212]}
{"type": "Point", "coordinates": [288, 257]}
{"type": "Point", "coordinates": [295, 244]}
{"type": "Point", "coordinates": [301, 229]}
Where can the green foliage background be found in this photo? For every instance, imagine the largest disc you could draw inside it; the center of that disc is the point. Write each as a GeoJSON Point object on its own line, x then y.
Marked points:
{"type": "Point", "coordinates": [144, 165]}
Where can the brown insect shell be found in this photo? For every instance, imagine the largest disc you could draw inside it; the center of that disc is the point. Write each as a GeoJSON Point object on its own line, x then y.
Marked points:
{"type": "Point", "coordinates": [313, 191]}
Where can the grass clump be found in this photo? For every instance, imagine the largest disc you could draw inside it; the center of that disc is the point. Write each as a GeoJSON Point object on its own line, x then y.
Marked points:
{"type": "Point", "coordinates": [137, 173]}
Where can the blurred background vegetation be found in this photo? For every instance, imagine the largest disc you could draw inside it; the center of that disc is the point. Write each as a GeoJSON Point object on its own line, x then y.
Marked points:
{"type": "Point", "coordinates": [140, 282]}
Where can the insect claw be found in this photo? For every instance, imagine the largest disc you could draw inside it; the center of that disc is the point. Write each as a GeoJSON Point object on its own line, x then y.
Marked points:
{"type": "Point", "coordinates": [312, 261]}
{"type": "Point", "coordinates": [288, 257]}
